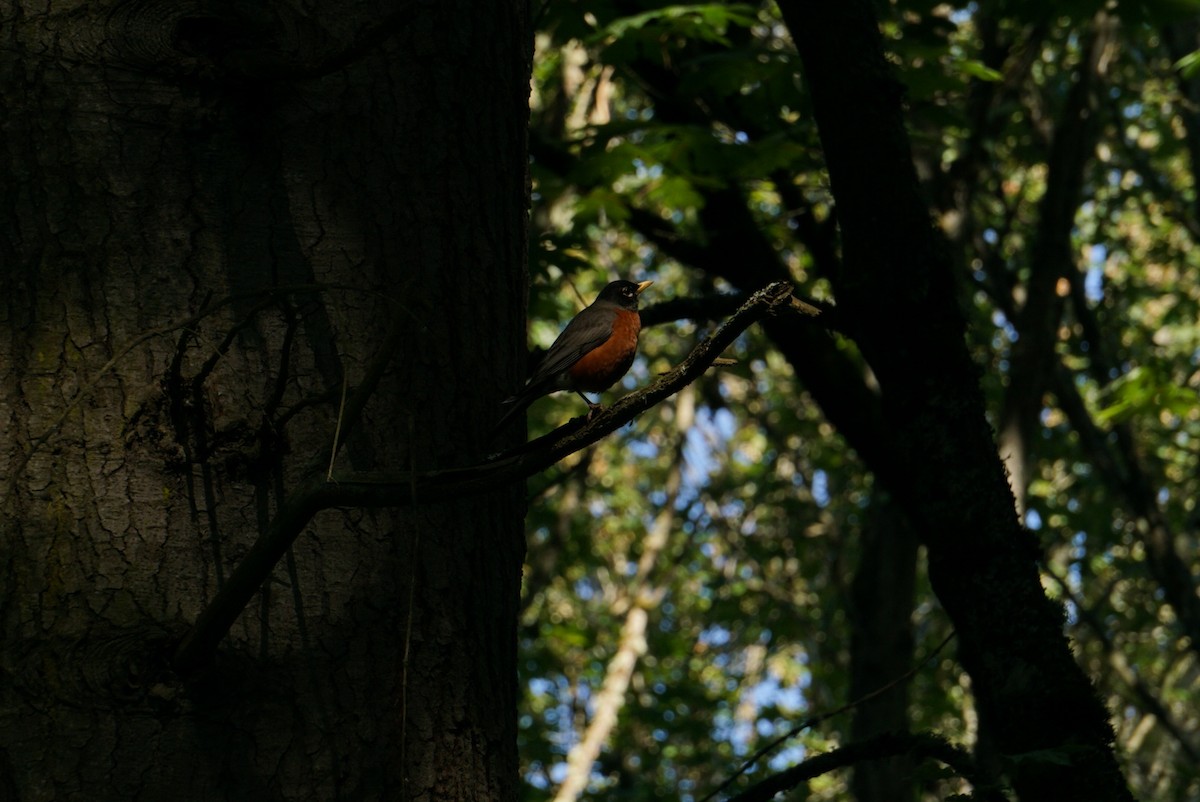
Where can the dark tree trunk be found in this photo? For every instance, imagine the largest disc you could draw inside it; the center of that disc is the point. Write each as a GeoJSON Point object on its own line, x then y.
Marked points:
{"type": "Point", "coordinates": [215, 220]}
{"type": "Point", "coordinates": [1051, 260]}
{"type": "Point", "coordinates": [898, 293]}
{"type": "Point", "coordinates": [881, 648]}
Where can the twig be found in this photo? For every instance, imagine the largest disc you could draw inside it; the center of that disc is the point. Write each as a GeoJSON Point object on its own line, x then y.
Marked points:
{"type": "Point", "coordinates": [1142, 691]}
{"type": "Point", "coordinates": [815, 720]}
{"type": "Point", "coordinates": [920, 745]}
{"type": "Point", "coordinates": [337, 430]}
{"type": "Point", "coordinates": [293, 515]}
{"type": "Point", "coordinates": [408, 628]}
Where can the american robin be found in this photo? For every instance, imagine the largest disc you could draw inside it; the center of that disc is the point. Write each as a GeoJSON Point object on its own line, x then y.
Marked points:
{"type": "Point", "coordinates": [594, 350]}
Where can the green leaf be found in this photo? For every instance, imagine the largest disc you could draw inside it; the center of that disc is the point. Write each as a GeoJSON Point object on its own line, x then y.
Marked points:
{"type": "Point", "coordinates": [1146, 390]}
{"type": "Point", "coordinates": [1189, 65]}
{"type": "Point", "coordinates": [601, 203]}
{"type": "Point", "coordinates": [703, 21]}
{"type": "Point", "coordinates": [979, 70]}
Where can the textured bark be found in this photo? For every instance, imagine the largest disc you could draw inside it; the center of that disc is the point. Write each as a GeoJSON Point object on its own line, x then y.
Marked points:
{"type": "Point", "coordinates": [213, 214]}
{"type": "Point", "coordinates": [897, 289]}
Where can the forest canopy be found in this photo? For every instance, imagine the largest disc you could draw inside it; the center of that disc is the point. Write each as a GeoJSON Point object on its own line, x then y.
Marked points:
{"type": "Point", "coordinates": [709, 578]}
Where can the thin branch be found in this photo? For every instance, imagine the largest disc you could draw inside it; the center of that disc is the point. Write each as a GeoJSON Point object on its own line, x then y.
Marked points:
{"type": "Point", "coordinates": [293, 515]}
{"type": "Point", "coordinates": [1121, 468]}
{"type": "Point", "coordinates": [1142, 691]}
{"type": "Point", "coordinates": [1170, 199]}
{"type": "Point", "coordinates": [337, 429]}
{"type": "Point", "coordinates": [397, 489]}
{"type": "Point", "coordinates": [813, 721]}
{"type": "Point", "coordinates": [920, 745]}
{"type": "Point", "coordinates": [735, 249]}
{"type": "Point", "coordinates": [1051, 260]}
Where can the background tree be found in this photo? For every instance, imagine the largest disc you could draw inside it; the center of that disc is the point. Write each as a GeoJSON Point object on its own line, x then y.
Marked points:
{"type": "Point", "coordinates": [1053, 157]}
{"type": "Point", "coordinates": [230, 231]}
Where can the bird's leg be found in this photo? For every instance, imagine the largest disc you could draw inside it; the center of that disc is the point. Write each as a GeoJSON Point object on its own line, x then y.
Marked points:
{"type": "Point", "coordinates": [592, 408]}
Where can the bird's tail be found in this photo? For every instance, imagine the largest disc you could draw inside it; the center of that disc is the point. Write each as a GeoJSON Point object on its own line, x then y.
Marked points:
{"type": "Point", "coordinates": [516, 405]}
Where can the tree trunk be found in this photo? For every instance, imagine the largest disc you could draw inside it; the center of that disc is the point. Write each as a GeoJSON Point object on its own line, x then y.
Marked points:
{"type": "Point", "coordinates": [881, 648]}
{"type": "Point", "coordinates": [217, 217]}
{"type": "Point", "coordinates": [898, 292]}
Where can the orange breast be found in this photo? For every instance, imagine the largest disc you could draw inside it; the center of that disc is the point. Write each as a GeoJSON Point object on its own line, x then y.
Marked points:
{"type": "Point", "coordinates": [600, 368]}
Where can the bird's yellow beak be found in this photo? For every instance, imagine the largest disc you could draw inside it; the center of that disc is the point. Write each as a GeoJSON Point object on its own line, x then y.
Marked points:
{"type": "Point", "coordinates": [643, 285]}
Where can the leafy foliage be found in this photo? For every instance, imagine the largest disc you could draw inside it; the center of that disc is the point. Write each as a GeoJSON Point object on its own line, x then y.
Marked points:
{"type": "Point", "coordinates": [733, 516]}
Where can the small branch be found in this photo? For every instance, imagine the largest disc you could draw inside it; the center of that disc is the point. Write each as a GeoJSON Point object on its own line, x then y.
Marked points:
{"type": "Point", "coordinates": [293, 515]}
{"type": "Point", "coordinates": [217, 618]}
{"type": "Point", "coordinates": [920, 745]}
{"type": "Point", "coordinates": [1144, 694]}
{"type": "Point", "coordinates": [817, 719]}
{"type": "Point", "coordinates": [337, 430]}
{"type": "Point", "coordinates": [381, 489]}
{"type": "Point", "coordinates": [400, 488]}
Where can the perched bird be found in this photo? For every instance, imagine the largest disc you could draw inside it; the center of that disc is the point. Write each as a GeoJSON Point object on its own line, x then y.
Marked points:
{"type": "Point", "coordinates": [594, 350]}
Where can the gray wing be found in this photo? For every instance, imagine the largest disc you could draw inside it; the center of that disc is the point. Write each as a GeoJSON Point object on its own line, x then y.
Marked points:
{"type": "Point", "coordinates": [582, 334]}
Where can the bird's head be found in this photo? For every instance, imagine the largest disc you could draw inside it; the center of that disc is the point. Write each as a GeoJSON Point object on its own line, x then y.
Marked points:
{"type": "Point", "coordinates": [623, 293]}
